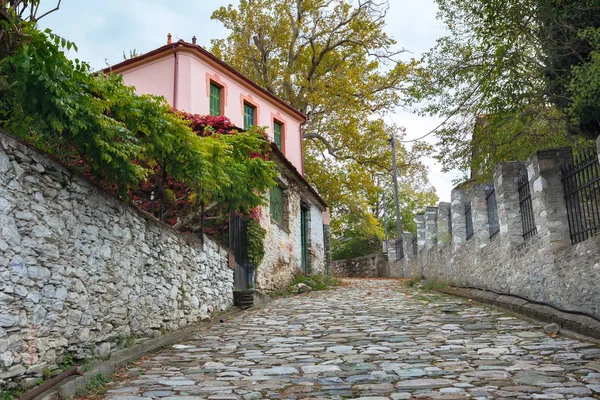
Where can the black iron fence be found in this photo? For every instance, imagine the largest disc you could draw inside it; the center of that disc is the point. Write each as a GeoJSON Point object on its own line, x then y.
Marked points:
{"type": "Point", "coordinates": [238, 243]}
{"type": "Point", "coordinates": [469, 220]}
{"type": "Point", "coordinates": [492, 211]}
{"type": "Point", "coordinates": [527, 217]}
{"type": "Point", "coordinates": [581, 183]}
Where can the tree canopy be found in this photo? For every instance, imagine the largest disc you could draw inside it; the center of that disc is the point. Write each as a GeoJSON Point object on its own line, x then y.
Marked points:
{"type": "Point", "coordinates": [512, 77]}
{"type": "Point", "coordinates": [334, 61]}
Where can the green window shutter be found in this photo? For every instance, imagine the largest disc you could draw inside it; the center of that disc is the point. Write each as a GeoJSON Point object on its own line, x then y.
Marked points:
{"type": "Point", "coordinates": [215, 100]}
{"type": "Point", "coordinates": [277, 134]}
{"type": "Point", "coordinates": [248, 116]}
{"type": "Point", "coordinates": [277, 204]}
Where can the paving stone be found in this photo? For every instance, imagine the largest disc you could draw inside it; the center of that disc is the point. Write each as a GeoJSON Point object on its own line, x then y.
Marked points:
{"type": "Point", "coordinates": [424, 384]}
{"type": "Point", "coordinates": [370, 340]}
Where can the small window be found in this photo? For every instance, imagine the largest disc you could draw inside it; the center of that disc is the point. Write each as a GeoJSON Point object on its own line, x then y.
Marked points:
{"type": "Point", "coordinates": [215, 100]}
{"type": "Point", "coordinates": [277, 205]}
{"type": "Point", "coordinates": [277, 128]}
{"type": "Point", "coordinates": [249, 116]}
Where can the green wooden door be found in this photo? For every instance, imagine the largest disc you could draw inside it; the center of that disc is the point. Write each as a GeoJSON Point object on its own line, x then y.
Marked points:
{"type": "Point", "coordinates": [304, 238]}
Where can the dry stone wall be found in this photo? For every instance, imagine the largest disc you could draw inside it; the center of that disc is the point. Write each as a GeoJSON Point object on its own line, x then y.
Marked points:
{"type": "Point", "coordinates": [82, 273]}
{"type": "Point", "coordinates": [371, 266]}
{"type": "Point", "coordinates": [544, 268]}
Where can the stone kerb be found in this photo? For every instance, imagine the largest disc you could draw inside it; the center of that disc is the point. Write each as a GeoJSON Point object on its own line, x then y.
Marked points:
{"type": "Point", "coordinates": [459, 224]}
{"type": "Point", "coordinates": [443, 233]}
{"type": "Point", "coordinates": [431, 214]}
{"type": "Point", "coordinates": [506, 184]}
{"type": "Point", "coordinates": [420, 220]}
{"type": "Point", "coordinates": [547, 196]}
{"type": "Point", "coordinates": [479, 215]}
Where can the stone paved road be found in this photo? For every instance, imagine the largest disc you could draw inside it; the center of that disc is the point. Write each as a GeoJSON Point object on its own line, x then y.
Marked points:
{"type": "Point", "coordinates": [371, 339]}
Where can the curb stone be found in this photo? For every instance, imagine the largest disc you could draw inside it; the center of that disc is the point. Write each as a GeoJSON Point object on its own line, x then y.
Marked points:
{"type": "Point", "coordinates": [570, 324]}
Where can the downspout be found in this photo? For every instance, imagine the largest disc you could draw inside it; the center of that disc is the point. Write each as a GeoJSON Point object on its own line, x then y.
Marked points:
{"type": "Point", "coordinates": [302, 149]}
{"type": "Point", "coordinates": [175, 76]}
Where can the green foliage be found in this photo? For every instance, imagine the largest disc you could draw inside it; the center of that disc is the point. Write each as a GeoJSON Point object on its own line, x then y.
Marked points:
{"type": "Point", "coordinates": [334, 62]}
{"type": "Point", "coordinates": [510, 78]}
{"type": "Point", "coordinates": [354, 247]}
{"type": "Point", "coordinates": [128, 341]}
{"type": "Point", "coordinates": [67, 361]}
{"type": "Point", "coordinates": [100, 126]}
{"type": "Point", "coordinates": [256, 239]}
{"type": "Point", "coordinates": [97, 381]}
{"type": "Point", "coordinates": [316, 282]}
{"type": "Point", "coordinates": [436, 285]}
{"type": "Point", "coordinates": [411, 282]}
{"type": "Point", "coordinates": [96, 386]}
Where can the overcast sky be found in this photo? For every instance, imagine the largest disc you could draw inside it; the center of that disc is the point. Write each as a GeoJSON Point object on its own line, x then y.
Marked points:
{"type": "Point", "coordinates": [103, 30]}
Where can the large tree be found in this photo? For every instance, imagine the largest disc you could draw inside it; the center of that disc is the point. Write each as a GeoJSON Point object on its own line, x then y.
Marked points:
{"type": "Point", "coordinates": [333, 61]}
{"type": "Point", "coordinates": [511, 77]}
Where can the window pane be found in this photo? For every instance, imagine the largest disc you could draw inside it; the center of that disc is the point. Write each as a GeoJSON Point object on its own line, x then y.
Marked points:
{"type": "Point", "coordinates": [277, 204]}
{"type": "Point", "coordinates": [277, 134]}
{"type": "Point", "coordinates": [248, 116]}
{"type": "Point", "coordinates": [215, 100]}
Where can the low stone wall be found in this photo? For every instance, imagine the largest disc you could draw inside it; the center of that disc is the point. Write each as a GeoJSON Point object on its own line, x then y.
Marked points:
{"type": "Point", "coordinates": [371, 266]}
{"type": "Point", "coordinates": [544, 268]}
{"type": "Point", "coordinates": [82, 273]}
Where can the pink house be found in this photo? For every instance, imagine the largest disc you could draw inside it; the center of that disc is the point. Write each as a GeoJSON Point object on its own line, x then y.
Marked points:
{"type": "Point", "coordinates": [193, 80]}
{"type": "Point", "coordinates": [296, 219]}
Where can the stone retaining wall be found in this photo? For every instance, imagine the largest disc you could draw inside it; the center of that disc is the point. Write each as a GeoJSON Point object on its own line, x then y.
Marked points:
{"type": "Point", "coordinates": [371, 266]}
{"type": "Point", "coordinates": [545, 268]}
{"type": "Point", "coordinates": [82, 273]}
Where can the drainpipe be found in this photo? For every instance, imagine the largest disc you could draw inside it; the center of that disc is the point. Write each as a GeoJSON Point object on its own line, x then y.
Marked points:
{"type": "Point", "coordinates": [175, 76]}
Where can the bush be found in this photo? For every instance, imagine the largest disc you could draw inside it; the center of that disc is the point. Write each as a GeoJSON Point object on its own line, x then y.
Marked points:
{"type": "Point", "coordinates": [345, 248]}
{"type": "Point", "coordinates": [315, 282]}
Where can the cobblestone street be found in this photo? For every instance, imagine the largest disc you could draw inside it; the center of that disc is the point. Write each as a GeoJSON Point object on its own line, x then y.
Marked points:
{"type": "Point", "coordinates": [369, 339]}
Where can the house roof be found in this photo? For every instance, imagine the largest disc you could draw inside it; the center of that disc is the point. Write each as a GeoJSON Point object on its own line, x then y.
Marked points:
{"type": "Point", "coordinates": [297, 175]}
{"type": "Point", "coordinates": [207, 54]}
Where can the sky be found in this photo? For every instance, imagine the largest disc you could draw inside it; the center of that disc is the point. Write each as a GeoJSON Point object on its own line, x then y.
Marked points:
{"type": "Point", "coordinates": [104, 30]}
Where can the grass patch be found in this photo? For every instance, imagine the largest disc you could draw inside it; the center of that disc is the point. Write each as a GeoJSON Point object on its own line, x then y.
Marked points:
{"type": "Point", "coordinates": [436, 285]}
{"type": "Point", "coordinates": [412, 282]}
{"type": "Point", "coordinates": [315, 282]}
{"type": "Point", "coordinates": [95, 387]}
{"type": "Point", "coordinates": [10, 394]}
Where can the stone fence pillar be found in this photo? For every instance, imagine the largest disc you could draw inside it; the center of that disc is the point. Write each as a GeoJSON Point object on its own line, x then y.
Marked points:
{"type": "Point", "coordinates": [547, 196]}
{"type": "Point", "coordinates": [430, 227]}
{"type": "Point", "coordinates": [443, 233]}
{"type": "Point", "coordinates": [506, 183]}
{"type": "Point", "coordinates": [479, 215]}
{"type": "Point", "coordinates": [459, 224]}
{"type": "Point", "coordinates": [420, 220]}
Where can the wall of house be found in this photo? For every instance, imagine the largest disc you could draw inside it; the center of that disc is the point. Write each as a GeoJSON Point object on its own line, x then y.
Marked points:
{"type": "Point", "coordinates": [194, 83]}
{"type": "Point", "coordinates": [545, 268]}
{"type": "Point", "coordinates": [154, 77]}
{"type": "Point", "coordinates": [81, 272]}
{"type": "Point", "coordinates": [282, 260]}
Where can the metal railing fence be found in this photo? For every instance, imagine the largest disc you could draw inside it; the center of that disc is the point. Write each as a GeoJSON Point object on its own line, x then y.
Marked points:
{"type": "Point", "coordinates": [581, 183]}
{"type": "Point", "coordinates": [526, 206]}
